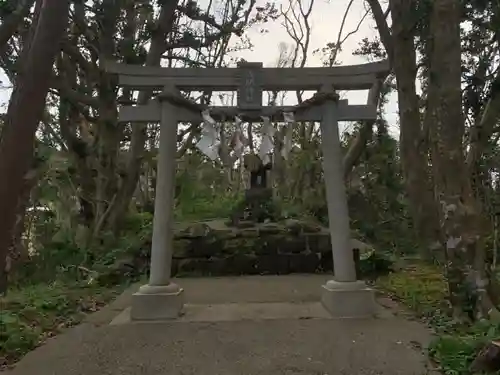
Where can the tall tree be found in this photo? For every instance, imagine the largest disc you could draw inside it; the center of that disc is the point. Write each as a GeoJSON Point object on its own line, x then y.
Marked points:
{"type": "Point", "coordinates": [399, 42]}
{"type": "Point", "coordinates": [26, 108]}
{"type": "Point", "coordinates": [438, 149]}
{"type": "Point", "coordinates": [12, 14]}
{"type": "Point", "coordinates": [461, 218]}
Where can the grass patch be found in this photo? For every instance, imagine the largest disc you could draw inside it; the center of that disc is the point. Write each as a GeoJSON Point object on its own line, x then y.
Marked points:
{"type": "Point", "coordinates": [420, 287]}
{"type": "Point", "coordinates": [59, 286]}
{"type": "Point", "coordinates": [31, 314]}
{"type": "Point", "coordinates": [423, 289]}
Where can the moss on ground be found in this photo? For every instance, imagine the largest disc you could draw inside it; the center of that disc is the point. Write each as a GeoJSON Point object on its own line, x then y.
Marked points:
{"type": "Point", "coordinates": [31, 314]}
{"type": "Point", "coordinates": [423, 289]}
{"type": "Point", "coordinates": [420, 287]}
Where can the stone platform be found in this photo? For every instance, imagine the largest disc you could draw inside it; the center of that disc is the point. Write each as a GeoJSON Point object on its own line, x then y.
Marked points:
{"type": "Point", "coordinates": [212, 248]}
{"type": "Point", "coordinates": [291, 246]}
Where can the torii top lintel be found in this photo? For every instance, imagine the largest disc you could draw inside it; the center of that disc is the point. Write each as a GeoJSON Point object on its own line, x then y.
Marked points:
{"type": "Point", "coordinates": [347, 77]}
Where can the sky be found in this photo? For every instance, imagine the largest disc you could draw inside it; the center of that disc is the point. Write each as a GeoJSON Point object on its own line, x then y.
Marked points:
{"type": "Point", "coordinates": [325, 20]}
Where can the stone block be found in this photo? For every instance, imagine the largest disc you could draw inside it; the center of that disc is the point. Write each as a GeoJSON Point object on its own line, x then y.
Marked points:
{"type": "Point", "coordinates": [187, 265]}
{"type": "Point", "coordinates": [241, 265]}
{"type": "Point", "coordinates": [303, 263]}
{"type": "Point", "coordinates": [204, 247]}
{"type": "Point", "coordinates": [214, 266]}
{"type": "Point", "coordinates": [268, 245]}
{"type": "Point", "coordinates": [348, 299]}
{"type": "Point", "coordinates": [182, 249]}
{"type": "Point", "coordinates": [270, 228]}
{"type": "Point", "coordinates": [318, 242]}
{"type": "Point", "coordinates": [156, 303]}
{"type": "Point", "coordinates": [326, 262]}
{"type": "Point", "coordinates": [175, 267]}
{"type": "Point", "coordinates": [292, 245]}
{"type": "Point", "coordinates": [273, 264]}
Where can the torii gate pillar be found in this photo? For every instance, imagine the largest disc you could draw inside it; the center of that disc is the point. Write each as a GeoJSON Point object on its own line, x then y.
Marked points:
{"type": "Point", "coordinates": [161, 298]}
{"type": "Point", "coordinates": [344, 296]}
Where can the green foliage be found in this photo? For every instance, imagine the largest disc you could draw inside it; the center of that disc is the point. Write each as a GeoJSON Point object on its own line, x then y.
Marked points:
{"type": "Point", "coordinates": [373, 264]}
{"type": "Point", "coordinates": [454, 353]}
{"type": "Point", "coordinates": [63, 259]}
{"type": "Point", "coordinates": [423, 289]}
{"type": "Point", "coordinates": [379, 211]}
{"type": "Point", "coordinates": [32, 314]}
{"type": "Point", "coordinates": [61, 282]}
{"type": "Point", "coordinates": [7, 7]}
{"type": "Point", "coordinates": [206, 206]}
{"type": "Point", "coordinates": [59, 285]}
{"type": "Point", "coordinates": [455, 350]}
{"type": "Point", "coordinates": [419, 286]}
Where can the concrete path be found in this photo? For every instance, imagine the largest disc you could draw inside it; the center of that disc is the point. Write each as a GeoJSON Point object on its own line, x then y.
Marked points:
{"type": "Point", "coordinates": [237, 326]}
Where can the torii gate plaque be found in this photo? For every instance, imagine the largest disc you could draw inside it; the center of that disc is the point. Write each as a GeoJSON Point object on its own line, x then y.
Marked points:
{"type": "Point", "coordinates": [249, 90]}
{"type": "Point", "coordinates": [343, 296]}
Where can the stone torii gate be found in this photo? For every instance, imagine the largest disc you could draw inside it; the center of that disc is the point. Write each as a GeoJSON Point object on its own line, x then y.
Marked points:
{"type": "Point", "coordinates": [344, 296]}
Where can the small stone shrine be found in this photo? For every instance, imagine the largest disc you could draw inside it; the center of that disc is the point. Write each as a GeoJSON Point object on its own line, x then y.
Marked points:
{"type": "Point", "coordinates": [257, 205]}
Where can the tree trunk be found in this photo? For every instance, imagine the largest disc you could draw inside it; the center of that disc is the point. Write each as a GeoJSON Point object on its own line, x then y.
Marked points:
{"type": "Point", "coordinates": [400, 48]}
{"type": "Point", "coordinates": [460, 215]}
{"type": "Point", "coordinates": [413, 140]}
{"type": "Point", "coordinates": [365, 133]}
{"type": "Point", "coordinates": [25, 110]}
{"type": "Point", "coordinates": [11, 23]}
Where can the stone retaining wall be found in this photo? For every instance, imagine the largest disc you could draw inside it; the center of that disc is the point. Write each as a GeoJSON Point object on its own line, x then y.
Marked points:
{"type": "Point", "coordinates": [212, 248]}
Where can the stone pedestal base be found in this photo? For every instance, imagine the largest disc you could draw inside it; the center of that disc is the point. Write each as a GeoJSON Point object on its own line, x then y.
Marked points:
{"type": "Point", "coordinates": [348, 299]}
{"type": "Point", "coordinates": [157, 302]}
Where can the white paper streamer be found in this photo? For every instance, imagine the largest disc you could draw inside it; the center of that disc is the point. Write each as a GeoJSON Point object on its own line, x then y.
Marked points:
{"type": "Point", "coordinates": [209, 141]}
{"type": "Point", "coordinates": [267, 144]}
{"type": "Point", "coordinates": [238, 141]}
{"type": "Point", "coordinates": [289, 117]}
{"type": "Point", "coordinates": [287, 139]}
